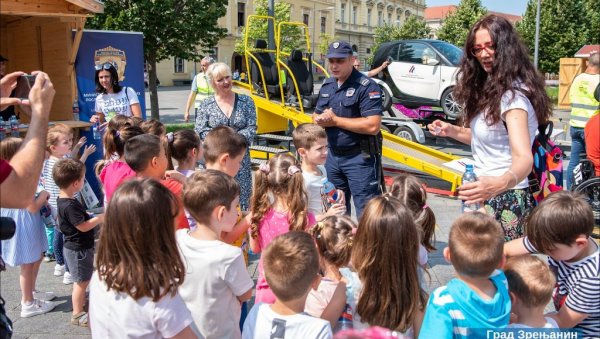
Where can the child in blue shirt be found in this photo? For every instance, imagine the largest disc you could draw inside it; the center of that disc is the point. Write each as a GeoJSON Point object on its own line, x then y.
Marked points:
{"type": "Point", "coordinates": [477, 299]}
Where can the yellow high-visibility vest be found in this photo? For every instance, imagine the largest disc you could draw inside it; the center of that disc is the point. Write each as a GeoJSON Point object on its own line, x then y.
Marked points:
{"type": "Point", "coordinates": [203, 88]}
{"type": "Point", "coordinates": [583, 103]}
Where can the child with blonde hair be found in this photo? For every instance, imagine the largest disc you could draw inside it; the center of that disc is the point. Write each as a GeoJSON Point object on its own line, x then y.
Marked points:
{"type": "Point", "coordinates": [278, 205]}
{"type": "Point", "coordinates": [27, 245]}
{"type": "Point", "coordinates": [334, 237]}
{"type": "Point", "coordinates": [133, 292]}
{"type": "Point", "coordinates": [386, 230]}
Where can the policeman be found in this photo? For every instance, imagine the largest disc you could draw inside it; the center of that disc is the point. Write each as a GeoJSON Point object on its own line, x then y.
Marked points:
{"type": "Point", "coordinates": [349, 107]}
{"type": "Point", "coordinates": [583, 107]}
{"type": "Point", "coordinates": [201, 89]}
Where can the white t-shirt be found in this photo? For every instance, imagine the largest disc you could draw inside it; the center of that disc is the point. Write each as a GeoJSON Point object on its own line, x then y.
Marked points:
{"type": "Point", "coordinates": [490, 145]}
{"type": "Point", "coordinates": [117, 315]}
{"type": "Point", "coordinates": [263, 322]}
{"type": "Point", "coordinates": [550, 323]}
{"type": "Point", "coordinates": [116, 103]}
{"type": "Point", "coordinates": [215, 275]}
{"type": "Point", "coordinates": [314, 186]}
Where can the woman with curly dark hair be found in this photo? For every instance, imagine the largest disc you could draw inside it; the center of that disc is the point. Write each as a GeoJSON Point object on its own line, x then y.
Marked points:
{"type": "Point", "coordinates": [503, 100]}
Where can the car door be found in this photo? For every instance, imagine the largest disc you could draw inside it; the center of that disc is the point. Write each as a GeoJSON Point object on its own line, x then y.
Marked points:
{"type": "Point", "coordinates": [414, 74]}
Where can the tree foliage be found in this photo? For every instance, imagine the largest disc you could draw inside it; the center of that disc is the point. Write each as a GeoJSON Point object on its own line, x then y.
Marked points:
{"type": "Point", "coordinates": [564, 29]}
{"type": "Point", "coordinates": [292, 36]}
{"type": "Point", "coordinates": [414, 28]}
{"type": "Point", "coordinates": [180, 28]}
{"type": "Point", "coordinates": [324, 41]}
{"type": "Point", "coordinates": [457, 24]}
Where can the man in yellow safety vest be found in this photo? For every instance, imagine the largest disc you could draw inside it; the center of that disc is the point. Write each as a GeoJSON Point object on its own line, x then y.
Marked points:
{"type": "Point", "coordinates": [200, 88]}
{"type": "Point", "coordinates": [583, 107]}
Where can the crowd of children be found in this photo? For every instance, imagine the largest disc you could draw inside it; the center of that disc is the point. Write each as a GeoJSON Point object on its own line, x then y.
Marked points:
{"type": "Point", "coordinates": [171, 251]}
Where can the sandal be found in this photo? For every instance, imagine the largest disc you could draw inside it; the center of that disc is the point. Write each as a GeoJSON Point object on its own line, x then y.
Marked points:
{"type": "Point", "coordinates": [80, 319]}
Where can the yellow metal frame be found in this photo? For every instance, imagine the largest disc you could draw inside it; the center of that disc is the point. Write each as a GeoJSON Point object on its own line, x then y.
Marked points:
{"type": "Point", "coordinates": [274, 116]}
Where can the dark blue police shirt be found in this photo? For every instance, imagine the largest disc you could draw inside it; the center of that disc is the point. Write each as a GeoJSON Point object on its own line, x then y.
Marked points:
{"type": "Point", "coordinates": [359, 96]}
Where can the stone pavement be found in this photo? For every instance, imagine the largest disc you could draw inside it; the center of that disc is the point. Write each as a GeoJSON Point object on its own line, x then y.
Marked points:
{"type": "Point", "coordinates": [55, 324]}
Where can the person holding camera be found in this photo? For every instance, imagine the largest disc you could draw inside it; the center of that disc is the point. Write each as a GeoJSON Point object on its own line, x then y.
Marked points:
{"type": "Point", "coordinates": [20, 176]}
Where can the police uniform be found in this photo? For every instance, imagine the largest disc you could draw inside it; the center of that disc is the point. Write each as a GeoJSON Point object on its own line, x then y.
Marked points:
{"type": "Point", "coordinates": [354, 160]}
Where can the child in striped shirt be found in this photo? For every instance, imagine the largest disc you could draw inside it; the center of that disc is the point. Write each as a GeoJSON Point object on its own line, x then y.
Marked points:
{"type": "Point", "coordinates": [560, 227]}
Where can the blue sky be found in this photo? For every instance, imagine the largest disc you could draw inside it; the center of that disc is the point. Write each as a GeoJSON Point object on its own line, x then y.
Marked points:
{"type": "Point", "coordinates": [516, 7]}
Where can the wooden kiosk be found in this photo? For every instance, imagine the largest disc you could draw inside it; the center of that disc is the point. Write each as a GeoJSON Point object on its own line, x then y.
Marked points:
{"type": "Point", "coordinates": [38, 35]}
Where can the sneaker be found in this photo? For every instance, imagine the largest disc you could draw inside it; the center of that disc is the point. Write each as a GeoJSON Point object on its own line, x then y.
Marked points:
{"type": "Point", "coordinates": [49, 258]}
{"type": "Point", "coordinates": [59, 270]}
{"type": "Point", "coordinates": [67, 279]}
{"type": "Point", "coordinates": [44, 296]}
{"type": "Point", "coordinates": [37, 307]}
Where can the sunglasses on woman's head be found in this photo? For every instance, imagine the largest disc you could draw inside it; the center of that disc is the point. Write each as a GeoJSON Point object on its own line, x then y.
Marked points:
{"type": "Point", "coordinates": [106, 65]}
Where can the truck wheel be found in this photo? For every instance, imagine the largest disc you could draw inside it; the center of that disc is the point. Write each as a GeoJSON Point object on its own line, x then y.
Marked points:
{"type": "Point", "coordinates": [405, 133]}
{"type": "Point", "coordinates": [386, 98]}
{"type": "Point", "coordinates": [449, 105]}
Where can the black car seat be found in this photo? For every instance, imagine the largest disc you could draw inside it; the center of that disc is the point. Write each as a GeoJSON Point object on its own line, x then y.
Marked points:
{"type": "Point", "coordinates": [269, 69]}
{"type": "Point", "coordinates": [304, 79]}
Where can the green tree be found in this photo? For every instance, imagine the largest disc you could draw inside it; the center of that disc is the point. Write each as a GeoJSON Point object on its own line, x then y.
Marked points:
{"type": "Point", "coordinates": [457, 24]}
{"type": "Point", "coordinates": [324, 41]}
{"type": "Point", "coordinates": [292, 36]}
{"type": "Point", "coordinates": [413, 28]}
{"type": "Point", "coordinates": [563, 29]}
{"type": "Point", "coordinates": [172, 28]}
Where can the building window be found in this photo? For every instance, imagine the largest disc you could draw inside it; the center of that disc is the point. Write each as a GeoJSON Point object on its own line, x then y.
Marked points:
{"type": "Point", "coordinates": [354, 10]}
{"type": "Point", "coordinates": [305, 18]}
{"type": "Point", "coordinates": [398, 21]}
{"type": "Point", "coordinates": [323, 24]}
{"type": "Point", "coordinates": [342, 12]}
{"type": "Point", "coordinates": [241, 14]}
{"type": "Point", "coordinates": [368, 50]}
{"type": "Point", "coordinates": [369, 17]}
{"type": "Point", "coordinates": [380, 18]}
{"type": "Point", "coordinates": [179, 65]}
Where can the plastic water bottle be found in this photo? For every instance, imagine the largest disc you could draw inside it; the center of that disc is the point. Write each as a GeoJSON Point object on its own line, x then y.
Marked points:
{"type": "Point", "coordinates": [14, 126]}
{"type": "Point", "coordinates": [75, 110]}
{"type": "Point", "coordinates": [96, 131]}
{"type": "Point", "coordinates": [345, 320]}
{"type": "Point", "coordinates": [2, 129]}
{"type": "Point", "coordinates": [46, 213]}
{"type": "Point", "coordinates": [469, 176]}
{"type": "Point", "coordinates": [330, 192]}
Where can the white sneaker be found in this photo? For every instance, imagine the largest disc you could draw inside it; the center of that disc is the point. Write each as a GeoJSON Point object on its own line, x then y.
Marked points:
{"type": "Point", "coordinates": [59, 270]}
{"type": "Point", "coordinates": [67, 279]}
{"type": "Point", "coordinates": [37, 307]}
{"type": "Point", "coordinates": [44, 296]}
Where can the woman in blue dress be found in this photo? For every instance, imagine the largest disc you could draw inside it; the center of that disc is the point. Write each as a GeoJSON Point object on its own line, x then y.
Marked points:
{"type": "Point", "coordinates": [227, 108]}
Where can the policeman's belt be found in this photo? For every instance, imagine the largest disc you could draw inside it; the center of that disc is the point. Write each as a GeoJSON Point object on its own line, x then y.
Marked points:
{"type": "Point", "coordinates": [344, 151]}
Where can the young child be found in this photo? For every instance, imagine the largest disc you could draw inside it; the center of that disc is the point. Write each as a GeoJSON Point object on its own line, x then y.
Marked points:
{"type": "Point", "coordinates": [291, 266]}
{"type": "Point", "coordinates": [334, 236]}
{"type": "Point", "coordinates": [477, 299]}
{"type": "Point", "coordinates": [134, 290]}
{"type": "Point", "coordinates": [560, 227]}
{"type": "Point", "coordinates": [115, 124]}
{"type": "Point", "coordinates": [89, 149]}
{"type": "Point", "coordinates": [116, 171]}
{"type": "Point", "coordinates": [78, 229]}
{"type": "Point", "coordinates": [27, 245]}
{"type": "Point", "coordinates": [186, 148]}
{"type": "Point", "coordinates": [386, 230]}
{"type": "Point", "coordinates": [310, 141]}
{"type": "Point", "coordinates": [217, 280]}
{"type": "Point", "coordinates": [278, 206]}
{"type": "Point", "coordinates": [58, 144]}
{"type": "Point", "coordinates": [146, 155]}
{"type": "Point", "coordinates": [530, 284]}
{"type": "Point", "coordinates": [154, 127]}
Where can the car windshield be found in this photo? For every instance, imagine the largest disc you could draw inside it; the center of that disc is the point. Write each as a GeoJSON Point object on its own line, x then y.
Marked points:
{"type": "Point", "coordinates": [451, 52]}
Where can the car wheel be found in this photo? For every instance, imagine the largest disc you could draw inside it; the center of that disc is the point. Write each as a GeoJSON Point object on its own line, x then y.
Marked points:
{"type": "Point", "coordinates": [386, 98]}
{"type": "Point", "coordinates": [385, 128]}
{"type": "Point", "coordinates": [405, 133]}
{"type": "Point", "coordinates": [449, 105]}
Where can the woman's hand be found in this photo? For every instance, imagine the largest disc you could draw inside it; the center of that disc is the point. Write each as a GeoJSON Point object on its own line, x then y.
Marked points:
{"type": "Point", "coordinates": [483, 189]}
{"type": "Point", "coordinates": [94, 118]}
{"type": "Point", "coordinates": [440, 128]}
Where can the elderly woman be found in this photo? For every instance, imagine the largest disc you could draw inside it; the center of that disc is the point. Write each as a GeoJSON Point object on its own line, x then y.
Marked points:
{"type": "Point", "coordinates": [113, 98]}
{"type": "Point", "coordinates": [237, 111]}
{"type": "Point", "coordinates": [503, 98]}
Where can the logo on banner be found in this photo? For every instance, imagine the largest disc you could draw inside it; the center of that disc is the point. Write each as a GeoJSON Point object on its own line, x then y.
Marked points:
{"type": "Point", "coordinates": [411, 70]}
{"type": "Point", "coordinates": [112, 55]}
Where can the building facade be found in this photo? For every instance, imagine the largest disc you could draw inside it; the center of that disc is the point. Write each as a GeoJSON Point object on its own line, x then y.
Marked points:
{"type": "Point", "coordinates": [351, 20]}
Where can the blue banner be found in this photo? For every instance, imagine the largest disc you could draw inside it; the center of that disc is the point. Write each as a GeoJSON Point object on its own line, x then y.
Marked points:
{"type": "Point", "coordinates": [124, 49]}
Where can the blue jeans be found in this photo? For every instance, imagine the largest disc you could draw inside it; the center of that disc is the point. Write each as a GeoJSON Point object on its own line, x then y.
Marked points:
{"type": "Point", "coordinates": [577, 147]}
{"type": "Point", "coordinates": [58, 243]}
{"type": "Point", "coordinates": [357, 176]}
